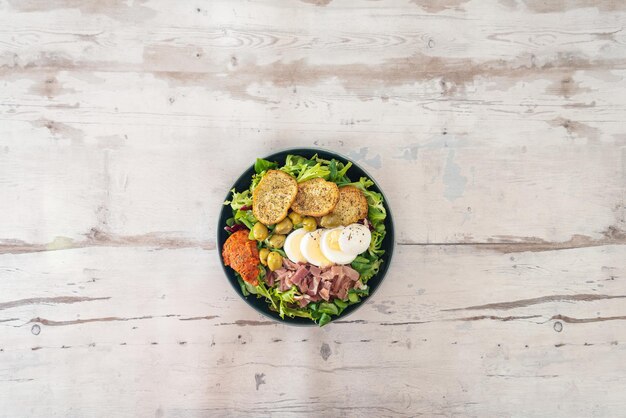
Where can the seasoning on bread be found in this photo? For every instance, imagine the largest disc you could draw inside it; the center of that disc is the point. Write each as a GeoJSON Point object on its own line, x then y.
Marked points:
{"type": "Point", "coordinates": [351, 207]}
{"type": "Point", "coordinates": [273, 196]}
{"type": "Point", "coordinates": [316, 197]}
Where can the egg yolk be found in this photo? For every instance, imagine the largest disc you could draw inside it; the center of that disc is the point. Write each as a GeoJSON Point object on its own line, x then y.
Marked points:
{"type": "Point", "coordinates": [333, 239]}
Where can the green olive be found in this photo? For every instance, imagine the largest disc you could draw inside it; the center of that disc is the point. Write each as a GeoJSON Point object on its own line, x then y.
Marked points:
{"type": "Point", "coordinates": [283, 227]}
{"type": "Point", "coordinates": [296, 219]}
{"type": "Point", "coordinates": [330, 221]}
{"type": "Point", "coordinates": [263, 255]}
{"type": "Point", "coordinates": [276, 241]}
{"type": "Point", "coordinates": [309, 224]}
{"type": "Point", "coordinates": [259, 231]}
{"type": "Point", "coordinates": [274, 261]}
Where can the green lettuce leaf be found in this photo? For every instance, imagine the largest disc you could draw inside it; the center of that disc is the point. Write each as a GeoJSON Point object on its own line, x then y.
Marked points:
{"type": "Point", "coordinates": [323, 320]}
{"type": "Point", "coordinates": [263, 291]}
{"type": "Point", "coordinates": [366, 267]}
{"type": "Point", "coordinates": [285, 299]}
{"type": "Point", "coordinates": [291, 312]}
{"type": "Point", "coordinates": [329, 308]}
{"type": "Point", "coordinates": [245, 217]}
{"type": "Point", "coordinates": [242, 285]}
{"type": "Point", "coordinates": [338, 171]}
{"type": "Point", "coordinates": [288, 295]}
{"type": "Point", "coordinates": [262, 165]}
{"type": "Point", "coordinates": [239, 200]}
{"type": "Point", "coordinates": [377, 241]}
{"type": "Point", "coordinates": [313, 172]}
{"type": "Point", "coordinates": [304, 169]}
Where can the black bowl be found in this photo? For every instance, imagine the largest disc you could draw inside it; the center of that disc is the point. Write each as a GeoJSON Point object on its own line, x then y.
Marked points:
{"type": "Point", "coordinates": [243, 182]}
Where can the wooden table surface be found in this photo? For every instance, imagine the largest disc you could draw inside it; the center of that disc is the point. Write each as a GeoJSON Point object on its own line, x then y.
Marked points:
{"type": "Point", "coordinates": [496, 129]}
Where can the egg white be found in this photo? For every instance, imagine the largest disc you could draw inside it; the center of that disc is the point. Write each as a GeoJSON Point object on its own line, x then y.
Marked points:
{"type": "Point", "coordinates": [336, 255]}
{"type": "Point", "coordinates": [355, 239]}
{"type": "Point", "coordinates": [310, 248]}
{"type": "Point", "coordinates": [292, 246]}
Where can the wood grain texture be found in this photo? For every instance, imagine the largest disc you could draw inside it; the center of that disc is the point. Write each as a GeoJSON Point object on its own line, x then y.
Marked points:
{"type": "Point", "coordinates": [457, 325]}
{"type": "Point", "coordinates": [496, 130]}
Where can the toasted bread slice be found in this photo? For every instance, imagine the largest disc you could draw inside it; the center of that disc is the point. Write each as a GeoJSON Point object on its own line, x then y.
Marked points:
{"type": "Point", "coordinates": [351, 207]}
{"type": "Point", "coordinates": [273, 196]}
{"type": "Point", "coordinates": [316, 197]}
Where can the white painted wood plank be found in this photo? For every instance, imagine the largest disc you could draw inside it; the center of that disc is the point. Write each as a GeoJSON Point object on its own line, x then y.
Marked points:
{"type": "Point", "coordinates": [303, 30]}
{"type": "Point", "coordinates": [171, 315]}
{"type": "Point", "coordinates": [168, 181]}
{"type": "Point", "coordinates": [478, 127]}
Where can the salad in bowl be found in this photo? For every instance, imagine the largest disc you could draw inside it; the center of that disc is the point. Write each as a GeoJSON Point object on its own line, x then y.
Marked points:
{"type": "Point", "coordinates": [307, 234]}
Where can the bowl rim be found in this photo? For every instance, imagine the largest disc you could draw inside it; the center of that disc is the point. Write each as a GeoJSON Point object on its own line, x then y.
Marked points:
{"type": "Point", "coordinates": [388, 255]}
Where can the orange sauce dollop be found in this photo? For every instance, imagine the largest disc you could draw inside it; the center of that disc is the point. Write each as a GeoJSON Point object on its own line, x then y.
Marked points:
{"type": "Point", "coordinates": [242, 255]}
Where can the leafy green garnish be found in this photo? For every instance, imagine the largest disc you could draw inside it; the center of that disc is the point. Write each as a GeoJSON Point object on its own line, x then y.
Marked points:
{"type": "Point", "coordinates": [285, 300]}
{"type": "Point", "coordinates": [304, 169]}
{"type": "Point", "coordinates": [341, 304]}
{"type": "Point", "coordinates": [288, 295]}
{"type": "Point", "coordinates": [341, 174]}
{"type": "Point", "coordinates": [366, 266]}
{"type": "Point", "coordinates": [291, 312]}
{"type": "Point", "coordinates": [332, 167]}
{"type": "Point", "coordinates": [242, 285]}
{"type": "Point", "coordinates": [313, 172]}
{"type": "Point", "coordinates": [245, 217]}
{"type": "Point", "coordinates": [377, 241]}
{"type": "Point", "coordinates": [239, 200]}
{"type": "Point", "coordinates": [329, 308]}
{"type": "Point", "coordinates": [262, 165]}
{"type": "Point", "coordinates": [324, 319]}
{"type": "Point", "coordinates": [262, 290]}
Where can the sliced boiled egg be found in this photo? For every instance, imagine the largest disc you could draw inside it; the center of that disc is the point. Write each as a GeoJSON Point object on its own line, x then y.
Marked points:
{"type": "Point", "coordinates": [292, 246]}
{"type": "Point", "coordinates": [310, 249]}
{"type": "Point", "coordinates": [355, 239]}
{"type": "Point", "coordinates": [329, 245]}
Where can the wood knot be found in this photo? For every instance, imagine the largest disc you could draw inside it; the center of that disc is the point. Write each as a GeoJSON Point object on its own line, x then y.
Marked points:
{"type": "Point", "coordinates": [96, 234]}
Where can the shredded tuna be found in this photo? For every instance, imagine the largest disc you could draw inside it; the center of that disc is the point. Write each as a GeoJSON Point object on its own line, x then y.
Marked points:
{"type": "Point", "coordinates": [315, 298]}
{"type": "Point", "coordinates": [316, 271]}
{"type": "Point", "coordinates": [283, 286]}
{"type": "Point", "coordinates": [336, 284]}
{"type": "Point", "coordinates": [299, 275]}
{"type": "Point", "coordinates": [315, 283]}
{"type": "Point", "coordinates": [336, 270]}
{"type": "Point", "coordinates": [327, 275]}
{"type": "Point", "coordinates": [282, 274]}
{"type": "Point", "coordinates": [289, 265]}
{"type": "Point", "coordinates": [351, 273]}
{"type": "Point", "coordinates": [343, 289]}
{"type": "Point", "coordinates": [304, 286]}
